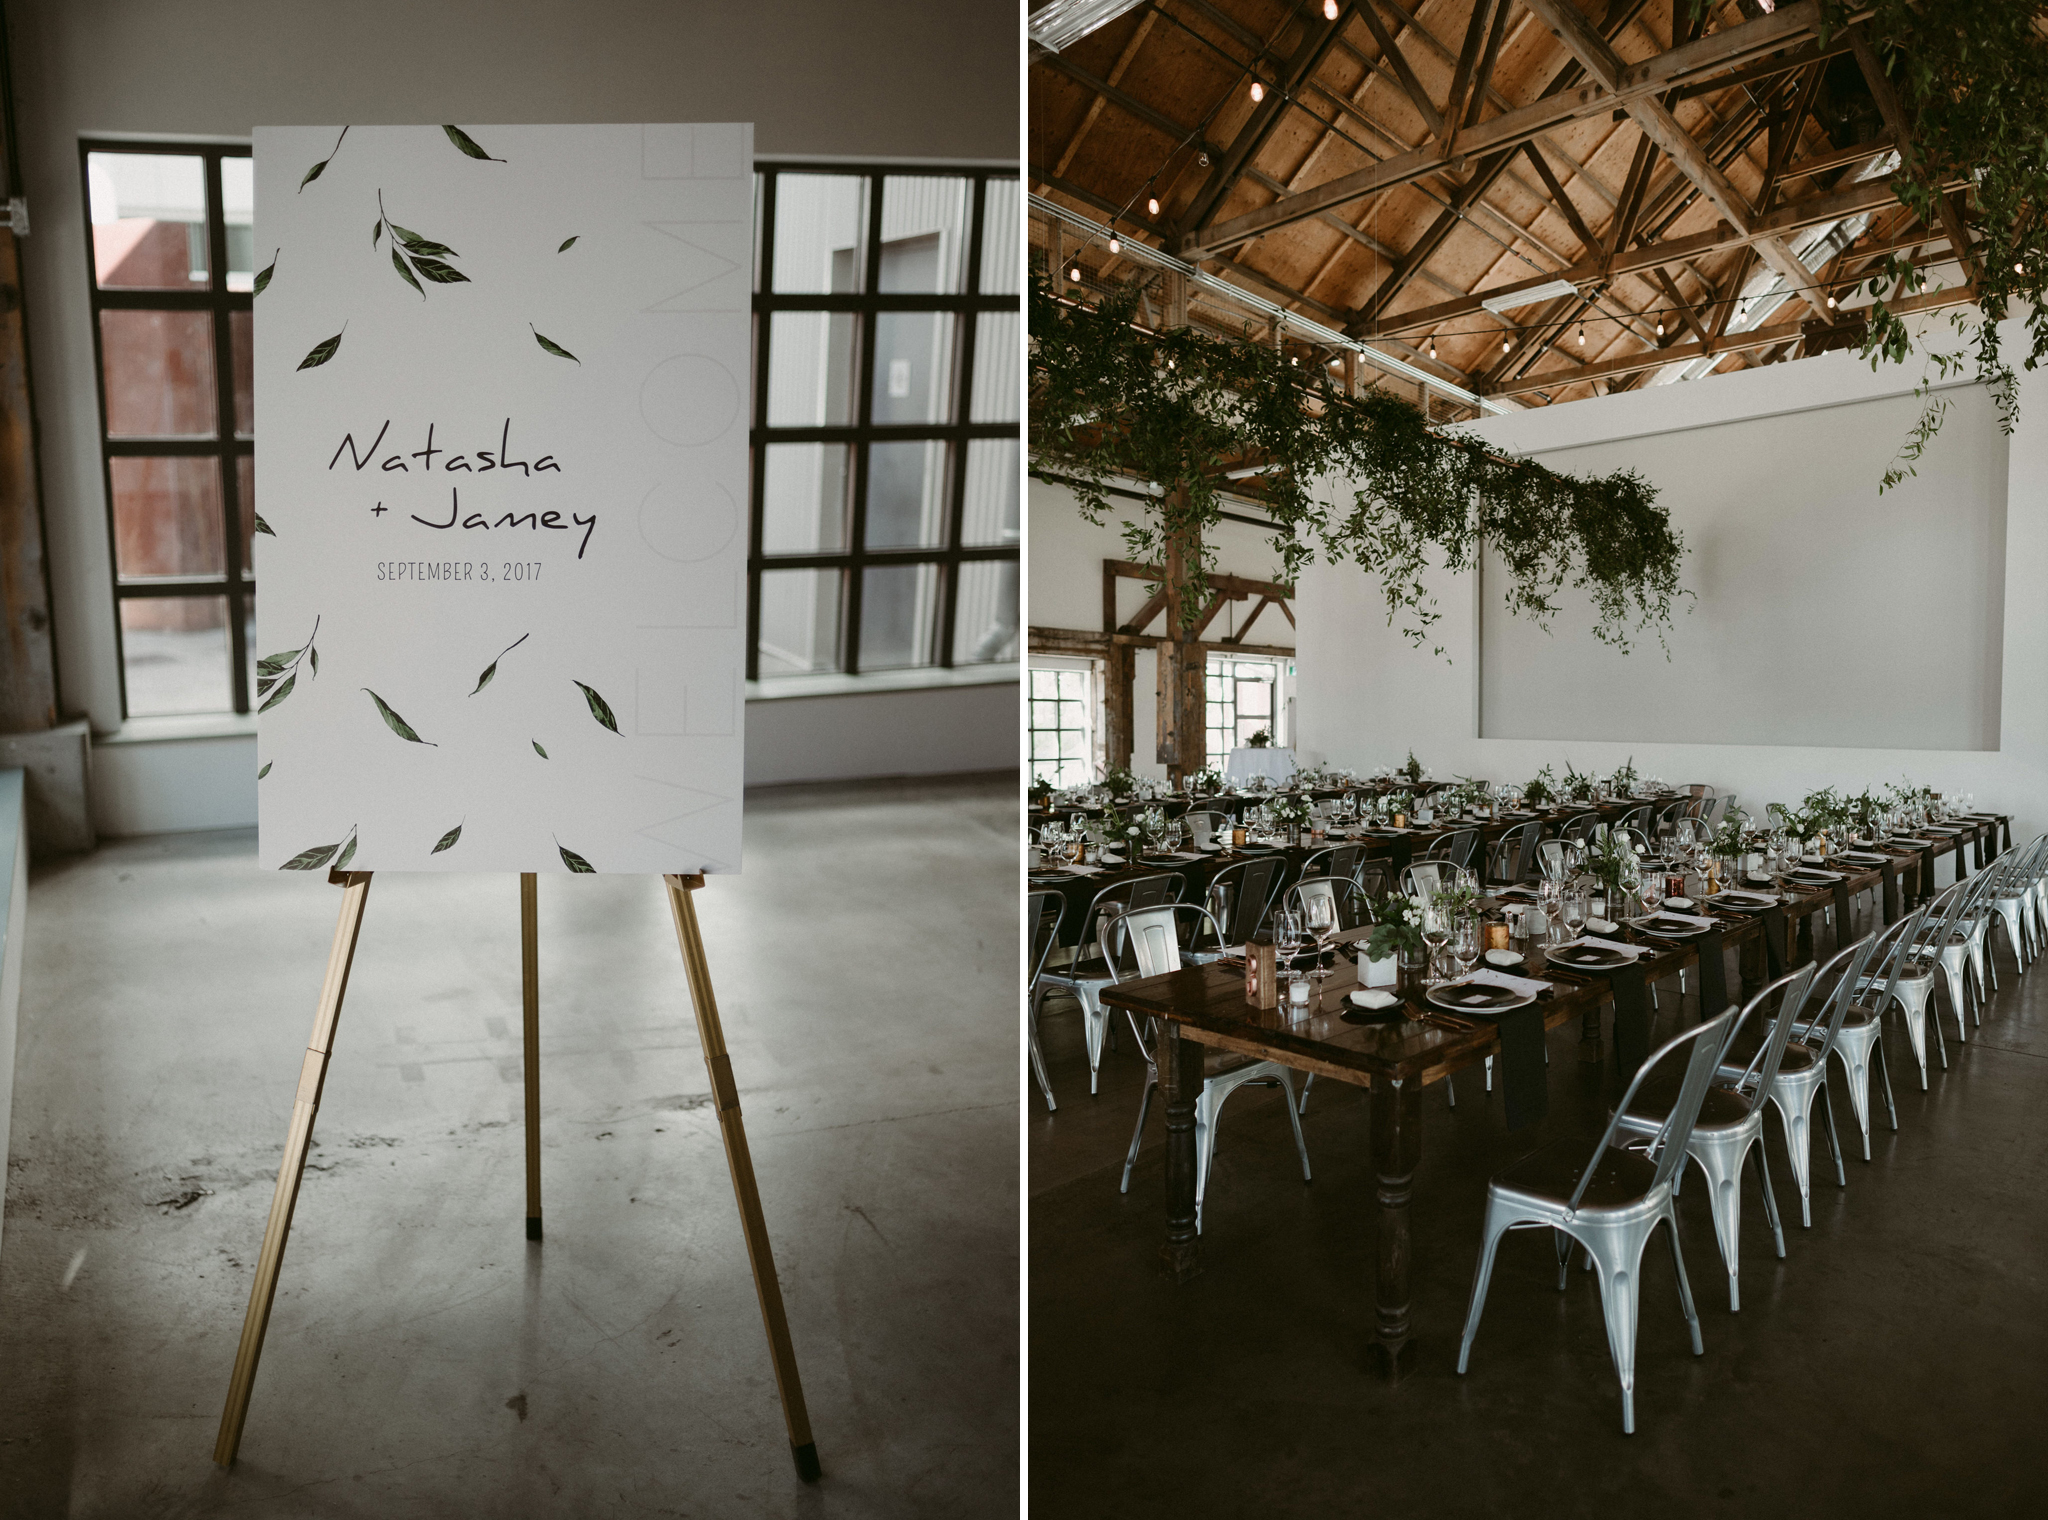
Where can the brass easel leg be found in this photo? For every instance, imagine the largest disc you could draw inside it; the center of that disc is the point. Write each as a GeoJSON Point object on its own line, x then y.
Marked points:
{"type": "Point", "coordinates": [312, 1075]}
{"type": "Point", "coordinates": [726, 1095]}
{"type": "Point", "coordinates": [529, 975]}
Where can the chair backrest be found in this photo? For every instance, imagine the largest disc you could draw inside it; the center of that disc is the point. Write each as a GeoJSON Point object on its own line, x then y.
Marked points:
{"type": "Point", "coordinates": [1340, 861]}
{"type": "Point", "coordinates": [1580, 829]}
{"type": "Point", "coordinates": [1559, 858]}
{"type": "Point", "coordinates": [1423, 879]}
{"type": "Point", "coordinates": [1790, 990]}
{"type": "Point", "coordinates": [1671, 812]}
{"type": "Point", "coordinates": [1045, 909]}
{"type": "Point", "coordinates": [1818, 1029]}
{"type": "Point", "coordinates": [1513, 857]}
{"type": "Point", "coordinates": [1373, 877]}
{"type": "Point", "coordinates": [1336, 889]}
{"type": "Point", "coordinates": [1147, 941]}
{"type": "Point", "coordinates": [1203, 825]}
{"type": "Point", "coordinates": [1456, 847]}
{"type": "Point", "coordinates": [1700, 1047]}
{"type": "Point", "coordinates": [1238, 896]}
{"type": "Point", "coordinates": [1636, 818]}
{"type": "Point", "coordinates": [1133, 892]}
{"type": "Point", "coordinates": [1889, 954]}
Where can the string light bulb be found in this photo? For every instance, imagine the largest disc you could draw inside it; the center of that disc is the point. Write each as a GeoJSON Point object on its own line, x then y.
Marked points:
{"type": "Point", "coordinates": [1115, 244]}
{"type": "Point", "coordinates": [1432, 348]}
{"type": "Point", "coordinates": [1152, 205]}
{"type": "Point", "coordinates": [1582, 335]}
{"type": "Point", "coordinates": [1329, 10]}
{"type": "Point", "coordinates": [1074, 273]}
{"type": "Point", "coordinates": [2019, 269]}
{"type": "Point", "coordinates": [1660, 327]}
{"type": "Point", "coordinates": [1506, 346]}
{"type": "Point", "coordinates": [1831, 303]}
{"type": "Point", "coordinates": [1258, 92]}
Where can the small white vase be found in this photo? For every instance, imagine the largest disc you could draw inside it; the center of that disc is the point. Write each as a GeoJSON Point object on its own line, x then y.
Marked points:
{"type": "Point", "coordinates": [1372, 973]}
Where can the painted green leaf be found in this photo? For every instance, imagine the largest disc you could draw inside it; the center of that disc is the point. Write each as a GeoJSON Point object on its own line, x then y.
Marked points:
{"type": "Point", "coordinates": [266, 769]}
{"type": "Point", "coordinates": [274, 664]}
{"type": "Point", "coordinates": [321, 352]}
{"type": "Point", "coordinates": [376, 231]}
{"type": "Point", "coordinates": [264, 527]}
{"type": "Point", "coordinates": [551, 345]}
{"type": "Point", "coordinates": [347, 854]}
{"type": "Point", "coordinates": [435, 270]}
{"type": "Point", "coordinates": [284, 689]}
{"type": "Point", "coordinates": [313, 859]}
{"type": "Point", "coordinates": [447, 840]}
{"type": "Point", "coordinates": [566, 242]}
{"type": "Point", "coordinates": [263, 278]}
{"type": "Point", "coordinates": [600, 709]}
{"type": "Point", "coordinates": [264, 683]}
{"type": "Point", "coordinates": [538, 750]}
{"type": "Point", "coordinates": [492, 669]}
{"type": "Point", "coordinates": [405, 272]}
{"type": "Point", "coordinates": [468, 144]}
{"type": "Point", "coordinates": [574, 861]}
{"type": "Point", "coordinates": [318, 169]}
{"type": "Point", "coordinates": [313, 657]}
{"type": "Point", "coordinates": [397, 724]}
{"type": "Point", "coordinates": [414, 243]}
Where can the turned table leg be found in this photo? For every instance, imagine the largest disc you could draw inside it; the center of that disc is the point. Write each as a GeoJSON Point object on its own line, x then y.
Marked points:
{"type": "Point", "coordinates": [1396, 1150]}
{"type": "Point", "coordinates": [1180, 1081]}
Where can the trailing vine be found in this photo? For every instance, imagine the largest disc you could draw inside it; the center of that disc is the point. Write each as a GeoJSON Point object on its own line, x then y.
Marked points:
{"type": "Point", "coordinates": [1365, 479]}
{"type": "Point", "coordinates": [1971, 78]}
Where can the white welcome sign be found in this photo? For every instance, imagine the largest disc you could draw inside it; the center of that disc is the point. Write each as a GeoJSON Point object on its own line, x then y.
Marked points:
{"type": "Point", "coordinates": [502, 382]}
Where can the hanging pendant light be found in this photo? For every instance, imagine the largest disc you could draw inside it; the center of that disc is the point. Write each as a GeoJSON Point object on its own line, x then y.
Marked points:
{"type": "Point", "coordinates": [1660, 327]}
{"type": "Point", "coordinates": [1074, 273]}
{"type": "Point", "coordinates": [1152, 205]}
{"type": "Point", "coordinates": [1506, 346]}
{"type": "Point", "coordinates": [1115, 244]}
{"type": "Point", "coordinates": [1582, 335]}
{"type": "Point", "coordinates": [1329, 10]}
{"type": "Point", "coordinates": [1432, 348]}
{"type": "Point", "coordinates": [1258, 92]}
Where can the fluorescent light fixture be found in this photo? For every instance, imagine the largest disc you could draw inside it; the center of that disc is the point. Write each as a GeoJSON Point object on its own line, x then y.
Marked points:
{"type": "Point", "coordinates": [1256, 469]}
{"type": "Point", "coordinates": [1518, 298]}
{"type": "Point", "coordinates": [1062, 22]}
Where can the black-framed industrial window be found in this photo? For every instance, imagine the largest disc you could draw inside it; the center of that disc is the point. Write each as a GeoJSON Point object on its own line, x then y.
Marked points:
{"type": "Point", "coordinates": [171, 270]}
{"type": "Point", "coordinates": [885, 517]}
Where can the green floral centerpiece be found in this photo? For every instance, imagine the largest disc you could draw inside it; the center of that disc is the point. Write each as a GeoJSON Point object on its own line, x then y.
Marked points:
{"type": "Point", "coordinates": [1291, 812]}
{"type": "Point", "coordinates": [1412, 770]}
{"type": "Point", "coordinates": [1578, 785]}
{"type": "Point", "coordinates": [1130, 830]}
{"type": "Point", "coordinates": [1542, 788]}
{"type": "Point", "coordinates": [1207, 783]}
{"type": "Point", "coordinates": [1120, 782]}
{"type": "Point", "coordinates": [1397, 925]}
{"type": "Point", "coordinates": [1260, 740]}
{"type": "Point", "coordinates": [1613, 861]}
{"type": "Point", "coordinates": [1041, 793]}
{"type": "Point", "coordinates": [1625, 780]}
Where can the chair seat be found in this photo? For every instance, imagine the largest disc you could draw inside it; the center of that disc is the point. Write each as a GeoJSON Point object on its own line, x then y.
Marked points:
{"type": "Point", "coordinates": [1797, 1057]}
{"type": "Point", "coordinates": [1723, 1107]}
{"type": "Point", "coordinates": [1859, 1017]}
{"type": "Point", "coordinates": [1621, 1178]}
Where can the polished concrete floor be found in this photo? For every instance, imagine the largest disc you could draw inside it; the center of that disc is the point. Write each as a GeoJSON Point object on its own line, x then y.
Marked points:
{"type": "Point", "coordinates": [424, 1359]}
{"type": "Point", "coordinates": [1895, 1363]}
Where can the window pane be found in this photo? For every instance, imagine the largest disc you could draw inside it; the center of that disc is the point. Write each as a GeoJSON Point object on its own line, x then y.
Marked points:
{"type": "Point", "coordinates": [913, 366]}
{"type": "Point", "coordinates": [799, 622]}
{"type": "Point", "coordinates": [167, 518]}
{"type": "Point", "coordinates": [1044, 683]}
{"type": "Point", "coordinates": [906, 495]}
{"type": "Point", "coordinates": [924, 234]}
{"type": "Point", "coordinates": [238, 210]}
{"type": "Point", "coordinates": [985, 615]}
{"type": "Point", "coordinates": [898, 612]}
{"type": "Point", "coordinates": [990, 516]}
{"type": "Point", "coordinates": [148, 220]}
{"type": "Point", "coordinates": [175, 650]}
{"type": "Point", "coordinates": [821, 228]}
{"type": "Point", "coordinates": [804, 498]}
{"type": "Point", "coordinates": [995, 367]}
{"type": "Point", "coordinates": [999, 241]}
{"type": "Point", "coordinates": [810, 368]}
{"type": "Point", "coordinates": [245, 483]}
{"type": "Point", "coordinates": [241, 340]}
{"type": "Point", "coordinates": [159, 373]}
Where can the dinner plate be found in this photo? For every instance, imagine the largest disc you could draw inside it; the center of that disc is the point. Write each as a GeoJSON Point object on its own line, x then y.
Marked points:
{"type": "Point", "coordinates": [1478, 997]}
{"type": "Point", "coordinates": [1737, 899]}
{"type": "Point", "coordinates": [1811, 878]}
{"type": "Point", "coordinates": [1666, 927]}
{"type": "Point", "coordinates": [1590, 957]}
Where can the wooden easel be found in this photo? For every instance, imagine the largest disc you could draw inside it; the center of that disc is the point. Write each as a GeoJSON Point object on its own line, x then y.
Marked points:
{"type": "Point", "coordinates": [355, 887]}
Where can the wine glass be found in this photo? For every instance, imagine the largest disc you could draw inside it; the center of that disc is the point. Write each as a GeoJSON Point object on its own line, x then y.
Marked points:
{"type": "Point", "coordinates": [1651, 889]}
{"type": "Point", "coordinates": [1575, 907]}
{"type": "Point", "coordinates": [1465, 942]}
{"type": "Point", "coordinates": [1319, 917]}
{"type": "Point", "coordinates": [1287, 940]}
{"type": "Point", "coordinates": [1436, 933]}
{"type": "Point", "coordinates": [1171, 837]}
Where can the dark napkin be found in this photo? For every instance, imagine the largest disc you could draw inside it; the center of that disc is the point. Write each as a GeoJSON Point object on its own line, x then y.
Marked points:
{"type": "Point", "coordinates": [1524, 1080]}
{"type": "Point", "coordinates": [1775, 951]}
{"type": "Point", "coordinates": [1927, 873]}
{"type": "Point", "coordinates": [1713, 974]}
{"type": "Point", "coordinates": [1842, 919]}
{"type": "Point", "coordinates": [1890, 870]}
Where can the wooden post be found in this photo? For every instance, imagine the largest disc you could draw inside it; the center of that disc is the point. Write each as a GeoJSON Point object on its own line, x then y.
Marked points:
{"type": "Point", "coordinates": [1183, 741]}
{"type": "Point", "coordinates": [1396, 1152]}
{"type": "Point", "coordinates": [529, 982]}
{"type": "Point", "coordinates": [28, 682]}
{"type": "Point", "coordinates": [1119, 704]}
{"type": "Point", "coordinates": [312, 1077]}
{"type": "Point", "coordinates": [753, 1224]}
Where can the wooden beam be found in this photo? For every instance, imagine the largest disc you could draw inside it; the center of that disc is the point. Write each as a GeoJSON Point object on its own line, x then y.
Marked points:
{"type": "Point", "coordinates": [1083, 643]}
{"type": "Point", "coordinates": [1461, 78]}
{"type": "Point", "coordinates": [1391, 52]}
{"type": "Point", "coordinates": [1563, 202]}
{"type": "Point", "coordinates": [1688, 63]}
{"type": "Point", "coordinates": [1686, 313]}
{"type": "Point", "coordinates": [1132, 570]}
{"type": "Point", "coordinates": [1116, 76]}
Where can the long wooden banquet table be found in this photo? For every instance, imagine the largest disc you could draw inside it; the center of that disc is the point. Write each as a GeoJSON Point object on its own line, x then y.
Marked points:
{"type": "Point", "coordinates": [1396, 1058]}
{"type": "Point", "coordinates": [1399, 848]}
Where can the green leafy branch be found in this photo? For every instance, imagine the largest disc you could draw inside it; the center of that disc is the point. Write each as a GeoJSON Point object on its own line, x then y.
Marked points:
{"type": "Point", "coordinates": [1178, 408]}
{"type": "Point", "coordinates": [277, 674]}
{"type": "Point", "coordinates": [422, 258]}
{"type": "Point", "coordinates": [320, 854]}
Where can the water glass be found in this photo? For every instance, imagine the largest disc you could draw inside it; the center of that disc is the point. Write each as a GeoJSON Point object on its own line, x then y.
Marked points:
{"type": "Point", "coordinates": [1466, 942]}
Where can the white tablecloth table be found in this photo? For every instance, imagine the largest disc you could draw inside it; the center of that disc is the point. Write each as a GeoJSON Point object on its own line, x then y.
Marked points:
{"type": "Point", "coordinates": [1275, 763]}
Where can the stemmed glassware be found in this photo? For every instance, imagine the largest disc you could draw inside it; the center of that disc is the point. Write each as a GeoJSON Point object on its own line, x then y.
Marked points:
{"type": "Point", "coordinates": [1287, 940]}
{"type": "Point", "coordinates": [1575, 907]}
{"type": "Point", "coordinates": [1465, 943]}
{"type": "Point", "coordinates": [1436, 933]}
{"type": "Point", "coordinates": [1319, 915]}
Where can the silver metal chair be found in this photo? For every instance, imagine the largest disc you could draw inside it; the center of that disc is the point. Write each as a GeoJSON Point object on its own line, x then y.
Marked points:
{"type": "Point", "coordinates": [1044, 910]}
{"type": "Point", "coordinates": [1730, 1126]}
{"type": "Point", "coordinates": [1859, 1036]}
{"type": "Point", "coordinates": [1803, 1072]}
{"type": "Point", "coordinates": [1147, 941]}
{"type": "Point", "coordinates": [2007, 896]}
{"type": "Point", "coordinates": [1237, 899]}
{"type": "Point", "coordinates": [1945, 941]}
{"type": "Point", "coordinates": [1899, 977]}
{"type": "Point", "coordinates": [1425, 878]}
{"type": "Point", "coordinates": [1513, 856]}
{"type": "Point", "coordinates": [1086, 975]}
{"type": "Point", "coordinates": [1611, 1207]}
{"type": "Point", "coordinates": [1203, 825]}
{"type": "Point", "coordinates": [1341, 861]}
{"type": "Point", "coordinates": [1457, 848]}
{"type": "Point", "coordinates": [1579, 830]}
{"type": "Point", "coordinates": [1559, 859]}
{"type": "Point", "coordinates": [1638, 819]}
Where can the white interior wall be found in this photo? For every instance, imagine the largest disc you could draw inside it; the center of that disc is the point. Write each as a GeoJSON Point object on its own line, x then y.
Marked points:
{"type": "Point", "coordinates": [1366, 696]}
{"type": "Point", "coordinates": [897, 78]}
{"type": "Point", "coordinates": [1065, 556]}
